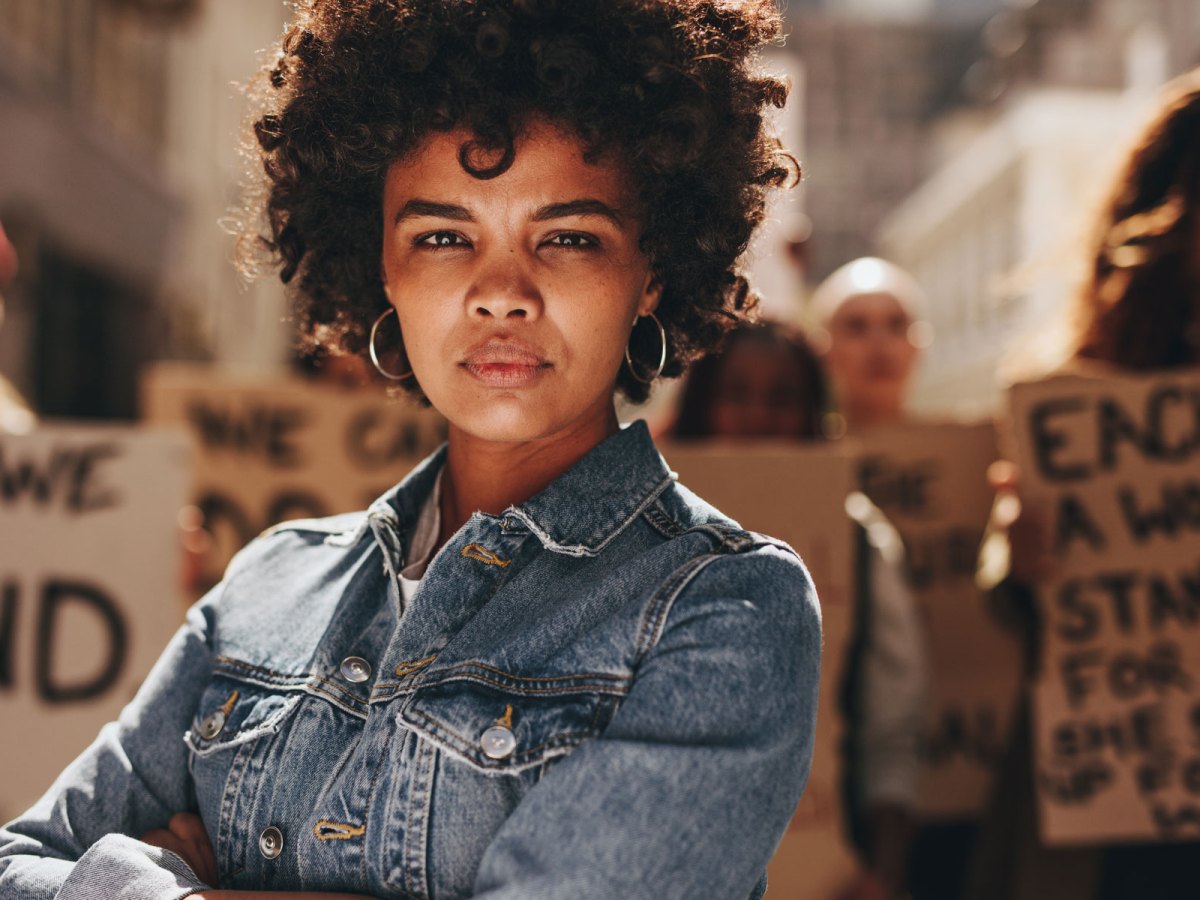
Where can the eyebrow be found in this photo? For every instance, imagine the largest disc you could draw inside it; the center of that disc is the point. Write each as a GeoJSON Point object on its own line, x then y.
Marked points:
{"type": "Point", "coordinates": [416, 208]}
{"type": "Point", "coordinates": [578, 208]}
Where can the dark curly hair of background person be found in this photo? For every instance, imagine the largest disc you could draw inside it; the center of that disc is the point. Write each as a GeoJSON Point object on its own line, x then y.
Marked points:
{"type": "Point", "coordinates": [667, 85]}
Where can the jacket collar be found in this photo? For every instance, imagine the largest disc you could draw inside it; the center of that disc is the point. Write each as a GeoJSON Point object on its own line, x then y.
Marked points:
{"type": "Point", "coordinates": [587, 506]}
{"type": "Point", "coordinates": [579, 513]}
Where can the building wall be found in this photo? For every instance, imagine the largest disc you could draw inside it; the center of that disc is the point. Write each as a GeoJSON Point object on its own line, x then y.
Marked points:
{"type": "Point", "coordinates": [213, 309]}
{"type": "Point", "coordinates": [871, 90]}
{"type": "Point", "coordinates": [83, 197]}
{"type": "Point", "coordinates": [996, 237]}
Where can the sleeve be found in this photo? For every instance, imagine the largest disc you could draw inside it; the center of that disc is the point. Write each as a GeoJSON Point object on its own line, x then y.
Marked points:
{"type": "Point", "coordinates": [690, 788]}
{"type": "Point", "coordinates": [78, 840]}
{"type": "Point", "coordinates": [894, 687]}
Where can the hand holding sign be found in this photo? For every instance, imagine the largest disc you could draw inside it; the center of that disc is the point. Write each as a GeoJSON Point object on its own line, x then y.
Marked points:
{"type": "Point", "coordinates": [1117, 702]}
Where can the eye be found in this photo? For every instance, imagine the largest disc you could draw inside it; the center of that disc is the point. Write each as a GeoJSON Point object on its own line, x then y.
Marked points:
{"type": "Point", "coordinates": [573, 240]}
{"type": "Point", "coordinates": [438, 240]}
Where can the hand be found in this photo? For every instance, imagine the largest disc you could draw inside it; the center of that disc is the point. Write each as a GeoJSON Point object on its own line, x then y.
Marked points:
{"type": "Point", "coordinates": [197, 548]}
{"type": "Point", "coordinates": [186, 836]}
{"type": "Point", "coordinates": [1030, 557]}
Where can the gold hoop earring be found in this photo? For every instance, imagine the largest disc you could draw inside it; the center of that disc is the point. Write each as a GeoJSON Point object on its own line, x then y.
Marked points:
{"type": "Point", "coordinates": [375, 356]}
{"type": "Point", "coordinates": [662, 356]}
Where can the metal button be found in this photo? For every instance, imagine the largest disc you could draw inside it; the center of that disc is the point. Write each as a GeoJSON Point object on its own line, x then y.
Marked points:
{"type": "Point", "coordinates": [498, 742]}
{"type": "Point", "coordinates": [212, 724]}
{"type": "Point", "coordinates": [355, 669]}
{"type": "Point", "coordinates": [270, 842]}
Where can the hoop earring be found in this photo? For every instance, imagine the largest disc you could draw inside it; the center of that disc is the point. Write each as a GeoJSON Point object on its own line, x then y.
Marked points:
{"type": "Point", "coordinates": [662, 356]}
{"type": "Point", "coordinates": [375, 356]}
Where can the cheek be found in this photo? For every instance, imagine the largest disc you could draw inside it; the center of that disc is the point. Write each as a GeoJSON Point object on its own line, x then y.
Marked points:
{"type": "Point", "coordinates": [903, 352]}
{"type": "Point", "coordinates": [849, 357]}
{"type": "Point", "coordinates": [424, 326]}
{"type": "Point", "coordinates": [791, 422]}
{"type": "Point", "coordinates": [597, 328]}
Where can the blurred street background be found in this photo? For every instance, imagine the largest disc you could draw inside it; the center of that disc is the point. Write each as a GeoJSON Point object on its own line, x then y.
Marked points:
{"type": "Point", "coordinates": [964, 139]}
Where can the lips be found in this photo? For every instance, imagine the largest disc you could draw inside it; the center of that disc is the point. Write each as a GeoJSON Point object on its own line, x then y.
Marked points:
{"type": "Point", "coordinates": [505, 362]}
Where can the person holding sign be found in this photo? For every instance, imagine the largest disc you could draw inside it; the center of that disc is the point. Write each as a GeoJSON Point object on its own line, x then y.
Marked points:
{"type": "Point", "coordinates": [767, 383]}
{"type": "Point", "coordinates": [871, 336]}
{"type": "Point", "coordinates": [1138, 310]}
{"type": "Point", "coordinates": [537, 667]}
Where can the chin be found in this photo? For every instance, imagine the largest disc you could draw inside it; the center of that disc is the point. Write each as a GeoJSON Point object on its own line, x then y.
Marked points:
{"type": "Point", "coordinates": [501, 419]}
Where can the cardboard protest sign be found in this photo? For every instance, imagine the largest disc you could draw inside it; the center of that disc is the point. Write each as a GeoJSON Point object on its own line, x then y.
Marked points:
{"type": "Point", "coordinates": [1115, 466]}
{"type": "Point", "coordinates": [89, 587]}
{"type": "Point", "coordinates": [276, 448]}
{"type": "Point", "coordinates": [930, 479]}
{"type": "Point", "coordinates": [797, 494]}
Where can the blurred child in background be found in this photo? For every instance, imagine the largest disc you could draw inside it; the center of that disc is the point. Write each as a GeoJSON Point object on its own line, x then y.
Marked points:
{"type": "Point", "coordinates": [766, 382]}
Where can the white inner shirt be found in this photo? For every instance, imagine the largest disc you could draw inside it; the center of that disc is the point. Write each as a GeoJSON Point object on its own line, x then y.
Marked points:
{"type": "Point", "coordinates": [421, 547]}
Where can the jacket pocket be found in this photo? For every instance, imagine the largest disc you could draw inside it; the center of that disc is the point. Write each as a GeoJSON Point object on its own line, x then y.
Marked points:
{"type": "Point", "coordinates": [232, 712]}
{"type": "Point", "coordinates": [503, 732]}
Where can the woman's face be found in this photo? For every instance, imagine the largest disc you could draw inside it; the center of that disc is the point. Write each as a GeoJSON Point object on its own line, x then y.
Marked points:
{"type": "Point", "coordinates": [870, 355]}
{"type": "Point", "coordinates": [760, 391]}
{"type": "Point", "coordinates": [515, 295]}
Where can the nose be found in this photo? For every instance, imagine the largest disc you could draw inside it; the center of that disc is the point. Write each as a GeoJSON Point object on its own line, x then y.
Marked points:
{"type": "Point", "coordinates": [504, 289]}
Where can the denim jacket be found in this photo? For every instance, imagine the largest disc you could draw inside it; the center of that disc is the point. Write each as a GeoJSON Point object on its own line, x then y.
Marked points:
{"type": "Point", "coordinates": [606, 691]}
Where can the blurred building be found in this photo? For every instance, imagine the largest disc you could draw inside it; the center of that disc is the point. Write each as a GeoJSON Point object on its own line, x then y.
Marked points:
{"type": "Point", "coordinates": [997, 233]}
{"type": "Point", "coordinates": [121, 120]}
{"type": "Point", "coordinates": [871, 91]}
{"type": "Point", "coordinates": [82, 100]}
{"type": "Point", "coordinates": [215, 310]}
{"type": "Point", "coordinates": [993, 237]}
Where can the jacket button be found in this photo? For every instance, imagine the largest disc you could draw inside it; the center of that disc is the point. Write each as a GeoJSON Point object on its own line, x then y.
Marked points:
{"type": "Point", "coordinates": [355, 669]}
{"type": "Point", "coordinates": [212, 724]}
{"type": "Point", "coordinates": [498, 742]}
{"type": "Point", "coordinates": [270, 842]}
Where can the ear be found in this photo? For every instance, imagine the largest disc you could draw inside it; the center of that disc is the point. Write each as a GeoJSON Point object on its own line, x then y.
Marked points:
{"type": "Point", "coordinates": [651, 294]}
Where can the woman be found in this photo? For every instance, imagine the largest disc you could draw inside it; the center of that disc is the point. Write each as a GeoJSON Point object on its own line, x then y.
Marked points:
{"type": "Point", "coordinates": [872, 335]}
{"type": "Point", "coordinates": [1139, 310]}
{"type": "Point", "coordinates": [767, 383]}
{"type": "Point", "coordinates": [537, 667]}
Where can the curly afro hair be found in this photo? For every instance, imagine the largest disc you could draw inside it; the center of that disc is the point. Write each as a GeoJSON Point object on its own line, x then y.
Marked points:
{"type": "Point", "coordinates": [668, 86]}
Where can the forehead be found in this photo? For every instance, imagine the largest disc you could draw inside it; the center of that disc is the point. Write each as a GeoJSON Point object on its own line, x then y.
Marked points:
{"type": "Point", "coordinates": [878, 305]}
{"type": "Point", "coordinates": [755, 356]}
{"type": "Point", "coordinates": [549, 165]}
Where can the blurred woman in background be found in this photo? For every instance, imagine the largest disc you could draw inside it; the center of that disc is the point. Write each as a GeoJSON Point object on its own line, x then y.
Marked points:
{"type": "Point", "coordinates": [766, 382]}
{"type": "Point", "coordinates": [870, 338]}
{"type": "Point", "coordinates": [1138, 310]}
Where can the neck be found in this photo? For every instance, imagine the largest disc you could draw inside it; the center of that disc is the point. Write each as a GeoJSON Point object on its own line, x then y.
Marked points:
{"type": "Point", "coordinates": [863, 416]}
{"type": "Point", "coordinates": [489, 476]}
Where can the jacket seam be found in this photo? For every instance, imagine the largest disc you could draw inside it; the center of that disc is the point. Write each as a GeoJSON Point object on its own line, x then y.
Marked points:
{"type": "Point", "coordinates": [469, 746]}
{"type": "Point", "coordinates": [270, 677]}
{"type": "Point", "coordinates": [662, 601]}
{"type": "Point", "coordinates": [611, 690]}
{"type": "Point", "coordinates": [664, 598]}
